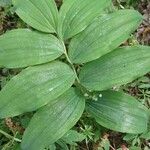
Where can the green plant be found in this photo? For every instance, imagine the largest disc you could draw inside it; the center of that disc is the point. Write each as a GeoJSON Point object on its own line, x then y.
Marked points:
{"type": "Point", "coordinates": [59, 91]}
{"type": "Point", "coordinates": [4, 3]}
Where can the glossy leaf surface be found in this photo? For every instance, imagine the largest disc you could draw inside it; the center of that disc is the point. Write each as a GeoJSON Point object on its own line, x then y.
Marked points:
{"type": "Point", "coordinates": [104, 35]}
{"type": "Point", "coordinates": [35, 87]}
{"type": "Point", "coordinates": [23, 47]}
{"type": "Point", "coordinates": [53, 120]}
{"type": "Point", "coordinates": [75, 15]}
{"type": "Point", "coordinates": [39, 14]}
{"type": "Point", "coordinates": [119, 67]}
{"type": "Point", "coordinates": [119, 112]}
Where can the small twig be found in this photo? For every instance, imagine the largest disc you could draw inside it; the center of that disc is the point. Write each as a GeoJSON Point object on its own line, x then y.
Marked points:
{"type": "Point", "coordinates": [9, 136]}
{"type": "Point", "coordinates": [112, 147]}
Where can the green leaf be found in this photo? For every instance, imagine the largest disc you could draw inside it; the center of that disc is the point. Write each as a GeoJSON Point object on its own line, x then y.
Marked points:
{"type": "Point", "coordinates": [76, 15]}
{"type": "Point", "coordinates": [116, 68]}
{"type": "Point", "coordinates": [5, 3]}
{"type": "Point", "coordinates": [39, 14]}
{"type": "Point", "coordinates": [62, 145]}
{"type": "Point", "coordinates": [135, 148]}
{"type": "Point", "coordinates": [35, 87]}
{"type": "Point", "coordinates": [17, 147]}
{"type": "Point", "coordinates": [52, 147]}
{"type": "Point", "coordinates": [119, 112]}
{"type": "Point", "coordinates": [73, 136]}
{"type": "Point", "coordinates": [130, 137]}
{"type": "Point", "coordinates": [23, 47]}
{"type": "Point", "coordinates": [52, 121]}
{"type": "Point", "coordinates": [146, 135]}
{"type": "Point", "coordinates": [104, 35]}
{"type": "Point", "coordinates": [105, 143]}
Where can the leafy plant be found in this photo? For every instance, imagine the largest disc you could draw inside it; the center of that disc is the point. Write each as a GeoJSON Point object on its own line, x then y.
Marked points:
{"type": "Point", "coordinates": [5, 3]}
{"type": "Point", "coordinates": [59, 92]}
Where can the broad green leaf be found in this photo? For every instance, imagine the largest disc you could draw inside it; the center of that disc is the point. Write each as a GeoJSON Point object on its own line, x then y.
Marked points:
{"type": "Point", "coordinates": [23, 47]}
{"type": "Point", "coordinates": [39, 14]}
{"type": "Point", "coordinates": [119, 67]}
{"type": "Point", "coordinates": [104, 35]}
{"type": "Point", "coordinates": [119, 112]}
{"type": "Point", "coordinates": [75, 15]}
{"type": "Point", "coordinates": [53, 120]}
{"type": "Point", "coordinates": [35, 87]}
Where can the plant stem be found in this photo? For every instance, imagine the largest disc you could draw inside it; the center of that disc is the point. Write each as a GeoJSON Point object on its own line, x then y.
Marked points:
{"type": "Point", "coordinates": [77, 83]}
{"type": "Point", "coordinates": [69, 61]}
{"type": "Point", "coordinates": [72, 66]}
{"type": "Point", "coordinates": [9, 136]}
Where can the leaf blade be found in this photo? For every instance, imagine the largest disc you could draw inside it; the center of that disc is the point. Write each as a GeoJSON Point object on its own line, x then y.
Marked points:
{"type": "Point", "coordinates": [75, 15]}
{"type": "Point", "coordinates": [55, 119]}
{"type": "Point", "coordinates": [72, 136]}
{"type": "Point", "coordinates": [23, 47]}
{"type": "Point", "coordinates": [41, 15]}
{"type": "Point", "coordinates": [35, 87]}
{"type": "Point", "coordinates": [119, 67]}
{"type": "Point", "coordinates": [103, 35]}
{"type": "Point", "coordinates": [119, 112]}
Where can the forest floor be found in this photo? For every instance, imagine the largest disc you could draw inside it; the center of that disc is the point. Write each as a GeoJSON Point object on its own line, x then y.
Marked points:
{"type": "Point", "coordinates": [96, 137]}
